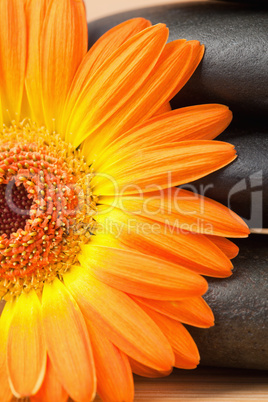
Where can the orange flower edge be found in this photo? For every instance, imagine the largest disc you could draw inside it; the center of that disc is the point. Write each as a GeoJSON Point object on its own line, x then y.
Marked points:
{"type": "Point", "coordinates": [101, 256]}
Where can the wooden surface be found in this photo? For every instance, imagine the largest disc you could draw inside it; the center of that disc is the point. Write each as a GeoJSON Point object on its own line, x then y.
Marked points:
{"type": "Point", "coordinates": [204, 385]}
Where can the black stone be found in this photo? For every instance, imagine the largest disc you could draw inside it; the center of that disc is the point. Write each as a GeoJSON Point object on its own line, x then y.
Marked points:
{"type": "Point", "coordinates": [263, 3]}
{"type": "Point", "coordinates": [240, 305]}
{"type": "Point", "coordinates": [235, 66]}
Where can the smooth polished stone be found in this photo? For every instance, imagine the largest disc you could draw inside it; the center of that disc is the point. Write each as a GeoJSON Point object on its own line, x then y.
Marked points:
{"type": "Point", "coordinates": [240, 305]}
{"type": "Point", "coordinates": [263, 3]}
{"type": "Point", "coordinates": [235, 66]}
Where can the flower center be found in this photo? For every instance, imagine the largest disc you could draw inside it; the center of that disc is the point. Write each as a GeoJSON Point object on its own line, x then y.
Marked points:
{"type": "Point", "coordinates": [47, 207]}
{"type": "Point", "coordinates": [15, 207]}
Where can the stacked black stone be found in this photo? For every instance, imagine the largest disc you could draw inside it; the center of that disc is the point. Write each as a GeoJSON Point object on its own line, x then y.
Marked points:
{"type": "Point", "coordinates": [234, 71]}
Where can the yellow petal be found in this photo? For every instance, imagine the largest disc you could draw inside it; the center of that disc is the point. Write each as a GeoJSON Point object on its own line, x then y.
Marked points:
{"type": "Point", "coordinates": [5, 320]}
{"type": "Point", "coordinates": [26, 351]}
{"type": "Point", "coordinates": [68, 343]}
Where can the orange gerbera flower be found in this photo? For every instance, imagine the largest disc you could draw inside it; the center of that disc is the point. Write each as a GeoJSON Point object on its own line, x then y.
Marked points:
{"type": "Point", "coordinates": [100, 254]}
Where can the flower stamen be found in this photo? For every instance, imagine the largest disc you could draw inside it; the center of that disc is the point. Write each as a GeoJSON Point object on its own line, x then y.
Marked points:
{"type": "Point", "coordinates": [50, 204]}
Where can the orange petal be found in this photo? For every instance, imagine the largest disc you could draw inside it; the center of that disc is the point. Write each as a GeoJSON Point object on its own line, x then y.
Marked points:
{"type": "Point", "coordinates": [183, 209]}
{"type": "Point", "coordinates": [189, 123]}
{"type": "Point", "coordinates": [162, 241]}
{"type": "Point", "coordinates": [145, 371]}
{"type": "Point", "coordinates": [191, 311]}
{"type": "Point", "coordinates": [115, 81]}
{"type": "Point", "coordinates": [12, 56]}
{"type": "Point", "coordinates": [226, 246]}
{"type": "Point", "coordinates": [191, 65]}
{"type": "Point", "coordinates": [68, 343]}
{"type": "Point", "coordinates": [141, 274]}
{"type": "Point", "coordinates": [163, 109]}
{"type": "Point", "coordinates": [200, 122]}
{"type": "Point", "coordinates": [111, 41]}
{"type": "Point", "coordinates": [114, 375]}
{"type": "Point", "coordinates": [26, 351]}
{"type": "Point", "coordinates": [183, 345]}
{"type": "Point", "coordinates": [174, 61]}
{"type": "Point", "coordinates": [165, 166]}
{"type": "Point", "coordinates": [123, 322]}
{"type": "Point", "coordinates": [1, 114]}
{"type": "Point", "coordinates": [101, 51]}
{"type": "Point", "coordinates": [51, 389]}
{"type": "Point", "coordinates": [63, 45]}
{"type": "Point", "coordinates": [5, 320]}
{"type": "Point", "coordinates": [35, 14]}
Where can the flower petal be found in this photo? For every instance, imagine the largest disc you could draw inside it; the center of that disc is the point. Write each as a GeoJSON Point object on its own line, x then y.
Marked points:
{"type": "Point", "coordinates": [163, 109]}
{"type": "Point", "coordinates": [35, 14]}
{"type": "Point", "coordinates": [12, 56]}
{"type": "Point", "coordinates": [5, 320]}
{"type": "Point", "coordinates": [101, 51]}
{"type": "Point", "coordinates": [226, 246]}
{"type": "Point", "coordinates": [123, 322]}
{"type": "Point", "coordinates": [68, 343]}
{"type": "Point", "coordinates": [184, 347]}
{"type": "Point", "coordinates": [162, 241]}
{"type": "Point", "coordinates": [63, 45]}
{"type": "Point", "coordinates": [170, 71]}
{"type": "Point", "coordinates": [1, 114]}
{"type": "Point", "coordinates": [189, 123]}
{"type": "Point", "coordinates": [192, 311]}
{"type": "Point", "coordinates": [145, 371]}
{"type": "Point", "coordinates": [114, 375]}
{"type": "Point", "coordinates": [182, 209]}
{"type": "Point", "coordinates": [51, 389]}
{"type": "Point", "coordinates": [114, 82]}
{"type": "Point", "coordinates": [140, 274]}
{"type": "Point", "coordinates": [162, 165]}
{"type": "Point", "coordinates": [26, 351]}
